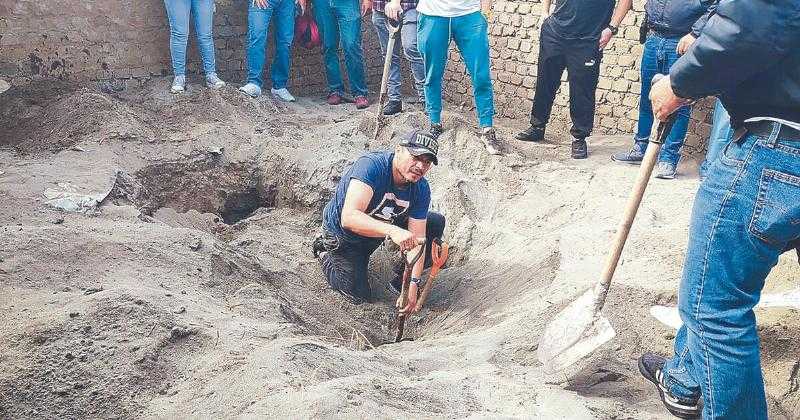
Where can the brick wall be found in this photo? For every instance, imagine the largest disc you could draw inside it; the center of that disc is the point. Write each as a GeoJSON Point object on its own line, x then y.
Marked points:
{"type": "Point", "coordinates": [129, 41]}
{"type": "Point", "coordinates": [111, 39]}
{"type": "Point", "coordinates": [514, 42]}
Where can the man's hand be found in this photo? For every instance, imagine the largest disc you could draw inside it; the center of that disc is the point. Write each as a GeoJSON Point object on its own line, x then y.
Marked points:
{"type": "Point", "coordinates": [366, 7]}
{"type": "Point", "coordinates": [605, 38]}
{"type": "Point", "coordinates": [393, 9]}
{"type": "Point", "coordinates": [261, 4]}
{"type": "Point", "coordinates": [664, 100]}
{"type": "Point", "coordinates": [411, 302]}
{"type": "Point", "coordinates": [403, 238]}
{"type": "Point", "coordinates": [685, 43]}
{"type": "Point", "coordinates": [486, 9]}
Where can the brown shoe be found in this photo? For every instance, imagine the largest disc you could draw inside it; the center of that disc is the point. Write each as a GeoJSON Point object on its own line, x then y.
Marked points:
{"type": "Point", "coordinates": [334, 98]}
{"type": "Point", "coordinates": [362, 102]}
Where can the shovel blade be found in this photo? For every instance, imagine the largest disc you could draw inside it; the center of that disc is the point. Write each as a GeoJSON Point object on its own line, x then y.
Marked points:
{"type": "Point", "coordinates": [573, 334]}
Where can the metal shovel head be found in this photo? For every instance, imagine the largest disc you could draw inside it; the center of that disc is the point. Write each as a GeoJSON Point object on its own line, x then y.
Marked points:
{"type": "Point", "coordinates": [574, 333]}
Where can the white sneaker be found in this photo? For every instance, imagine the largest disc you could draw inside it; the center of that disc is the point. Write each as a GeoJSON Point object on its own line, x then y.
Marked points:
{"type": "Point", "coordinates": [251, 89]}
{"type": "Point", "coordinates": [213, 81]}
{"type": "Point", "coordinates": [178, 84]}
{"type": "Point", "coordinates": [283, 94]}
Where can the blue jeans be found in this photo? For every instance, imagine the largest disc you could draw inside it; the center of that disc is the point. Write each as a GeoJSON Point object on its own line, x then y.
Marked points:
{"type": "Point", "coordinates": [257, 31]}
{"type": "Point", "coordinates": [744, 215]}
{"type": "Point", "coordinates": [341, 20]}
{"type": "Point", "coordinates": [469, 32]}
{"type": "Point", "coordinates": [658, 56]}
{"type": "Point", "coordinates": [408, 37]}
{"type": "Point", "coordinates": [178, 12]}
{"type": "Point", "coordinates": [720, 133]}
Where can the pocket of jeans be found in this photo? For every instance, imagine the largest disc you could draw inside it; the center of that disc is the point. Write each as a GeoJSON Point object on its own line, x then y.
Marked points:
{"type": "Point", "coordinates": [776, 217]}
{"type": "Point", "coordinates": [730, 154]}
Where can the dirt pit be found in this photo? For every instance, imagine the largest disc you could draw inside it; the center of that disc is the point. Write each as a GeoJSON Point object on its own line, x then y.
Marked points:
{"type": "Point", "coordinates": [189, 289]}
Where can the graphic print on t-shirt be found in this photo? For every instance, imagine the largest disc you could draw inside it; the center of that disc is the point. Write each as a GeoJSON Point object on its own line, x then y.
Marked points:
{"type": "Point", "coordinates": [390, 208]}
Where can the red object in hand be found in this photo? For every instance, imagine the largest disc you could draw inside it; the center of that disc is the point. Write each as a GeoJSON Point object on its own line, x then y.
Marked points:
{"type": "Point", "coordinates": [306, 31]}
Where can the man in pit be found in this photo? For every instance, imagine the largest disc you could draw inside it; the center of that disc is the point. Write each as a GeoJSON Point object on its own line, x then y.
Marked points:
{"type": "Point", "coordinates": [383, 194]}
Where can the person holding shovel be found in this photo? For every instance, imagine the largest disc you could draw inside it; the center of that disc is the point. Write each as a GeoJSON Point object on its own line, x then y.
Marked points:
{"type": "Point", "coordinates": [382, 10]}
{"type": "Point", "coordinates": [384, 194]}
{"type": "Point", "coordinates": [747, 211]}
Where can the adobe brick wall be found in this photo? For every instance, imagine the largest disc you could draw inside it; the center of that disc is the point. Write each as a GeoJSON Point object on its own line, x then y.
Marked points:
{"type": "Point", "coordinates": [113, 39]}
{"type": "Point", "coordinates": [514, 42]}
{"type": "Point", "coordinates": [129, 41]}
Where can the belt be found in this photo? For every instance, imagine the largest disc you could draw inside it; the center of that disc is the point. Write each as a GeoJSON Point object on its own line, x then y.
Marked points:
{"type": "Point", "coordinates": [764, 128]}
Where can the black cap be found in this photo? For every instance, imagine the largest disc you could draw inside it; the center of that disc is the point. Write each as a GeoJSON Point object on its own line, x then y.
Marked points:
{"type": "Point", "coordinates": [421, 143]}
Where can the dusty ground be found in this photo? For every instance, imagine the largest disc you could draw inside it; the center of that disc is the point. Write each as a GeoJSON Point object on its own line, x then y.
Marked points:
{"type": "Point", "coordinates": [192, 292]}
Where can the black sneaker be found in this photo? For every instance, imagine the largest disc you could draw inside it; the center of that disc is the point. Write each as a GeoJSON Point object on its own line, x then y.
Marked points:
{"type": "Point", "coordinates": [436, 130]}
{"type": "Point", "coordinates": [392, 107]}
{"type": "Point", "coordinates": [532, 133]}
{"type": "Point", "coordinates": [579, 149]}
{"type": "Point", "coordinates": [489, 140]}
{"type": "Point", "coordinates": [650, 366]}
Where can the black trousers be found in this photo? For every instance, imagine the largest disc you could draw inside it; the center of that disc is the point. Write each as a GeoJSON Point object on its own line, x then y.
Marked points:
{"type": "Point", "coordinates": [345, 264]}
{"type": "Point", "coordinates": [581, 59]}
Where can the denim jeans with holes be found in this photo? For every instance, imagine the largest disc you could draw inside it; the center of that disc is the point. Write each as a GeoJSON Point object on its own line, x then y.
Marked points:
{"type": "Point", "coordinates": [745, 213]}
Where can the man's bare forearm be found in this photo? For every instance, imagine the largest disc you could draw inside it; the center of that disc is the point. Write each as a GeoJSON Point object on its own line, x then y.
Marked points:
{"type": "Point", "coordinates": [620, 11]}
{"type": "Point", "coordinates": [362, 224]}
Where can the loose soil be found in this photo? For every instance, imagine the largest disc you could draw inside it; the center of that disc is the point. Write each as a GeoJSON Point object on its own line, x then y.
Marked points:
{"type": "Point", "coordinates": [191, 291]}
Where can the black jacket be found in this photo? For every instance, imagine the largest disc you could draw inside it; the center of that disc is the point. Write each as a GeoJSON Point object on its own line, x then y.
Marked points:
{"type": "Point", "coordinates": [676, 18]}
{"type": "Point", "coordinates": [749, 54]}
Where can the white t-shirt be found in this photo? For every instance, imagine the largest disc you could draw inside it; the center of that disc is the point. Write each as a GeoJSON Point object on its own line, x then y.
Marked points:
{"type": "Point", "coordinates": [448, 8]}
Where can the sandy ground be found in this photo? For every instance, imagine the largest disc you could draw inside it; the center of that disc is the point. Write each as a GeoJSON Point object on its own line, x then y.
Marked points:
{"type": "Point", "coordinates": [191, 290]}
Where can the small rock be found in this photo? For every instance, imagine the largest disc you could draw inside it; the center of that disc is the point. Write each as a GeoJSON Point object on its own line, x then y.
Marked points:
{"type": "Point", "coordinates": [92, 290]}
{"type": "Point", "coordinates": [139, 302]}
{"type": "Point", "coordinates": [77, 149]}
{"type": "Point", "coordinates": [66, 289]}
{"type": "Point", "coordinates": [180, 310]}
{"type": "Point", "coordinates": [196, 244]}
{"type": "Point", "coordinates": [177, 333]}
{"type": "Point", "coordinates": [57, 220]}
{"type": "Point", "coordinates": [74, 314]}
{"type": "Point", "coordinates": [216, 151]}
{"type": "Point", "coordinates": [69, 356]}
{"type": "Point", "coordinates": [669, 335]}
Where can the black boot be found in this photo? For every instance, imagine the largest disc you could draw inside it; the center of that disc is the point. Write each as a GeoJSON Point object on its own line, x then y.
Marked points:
{"type": "Point", "coordinates": [532, 133]}
{"type": "Point", "coordinates": [392, 107]}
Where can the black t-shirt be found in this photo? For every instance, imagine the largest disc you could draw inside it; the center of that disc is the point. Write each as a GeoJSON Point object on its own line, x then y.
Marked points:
{"type": "Point", "coordinates": [580, 19]}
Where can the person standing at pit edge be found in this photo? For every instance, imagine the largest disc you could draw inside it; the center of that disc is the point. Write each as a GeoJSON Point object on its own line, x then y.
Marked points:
{"type": "Point", "coordinates": [259, 13]}
{"type": "Point", "coordinates": [671, 27]}
{"type": "Point", "coordinates": [465, 22]}
{"type": "Point", "coordinates": [340, 20]}
{"type": "Point", "coordinates": [384, 194]}
{"type": "Point", "coordinates": [746, 212]}
{"type": "Point", "coordinates": [572, 38]}
{"type": "Point", "coordinates": [394, 9]}
{"type": "Point", "coordinates": [178, 12]}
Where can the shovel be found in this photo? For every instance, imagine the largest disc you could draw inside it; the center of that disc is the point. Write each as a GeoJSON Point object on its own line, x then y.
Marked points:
{"type": "Point", "coordinates": [403, 299]}
{"type": "Point", "coordinates": [579, 328]}
{"type": "Point", "coordinates": [669, 316]}
{"type": "Point", "coordinates": [439, 252]}
{"type": "Point", "coordinates": [394, 31]}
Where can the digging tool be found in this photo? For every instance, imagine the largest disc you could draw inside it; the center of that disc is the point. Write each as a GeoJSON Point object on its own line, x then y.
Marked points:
{"type": "Point", "coordinates": [394, 31]}
{"type": "Point", "coordinates": [439, 252]}
{"type": "Point", "coordinates": [579, 328]}
{"type": "Point", "coordinates": [401, 318]}
{"type": "Point", "coordinates": [669, 316]}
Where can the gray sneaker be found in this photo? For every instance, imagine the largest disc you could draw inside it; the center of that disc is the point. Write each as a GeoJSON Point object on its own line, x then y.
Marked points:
{"type": "Point", "coordinates": [251, 89]}
{"type": "Point", "coordinates": [489, 140]}
{"type": "Point", "coordinates": [283, 94]}
{"type": "Point", "coordinates": [633, 156]}
{"type": "Point", "coordinates": [178, 84]}
{"type": "Point", "coordinates": [665, 170]}
{"type": "Point", "coordinates": [213, 81]}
